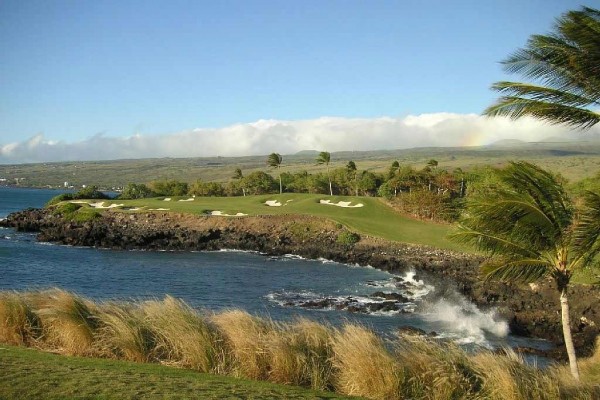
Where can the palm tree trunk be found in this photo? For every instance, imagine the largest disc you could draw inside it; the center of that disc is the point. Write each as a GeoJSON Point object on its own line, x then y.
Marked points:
{"type": "Point", "coordinates": [566, 325]}
{"type": "Point", "coordinates": [280, 185]}
{"type": "Point", "coordinates": [329, 177]}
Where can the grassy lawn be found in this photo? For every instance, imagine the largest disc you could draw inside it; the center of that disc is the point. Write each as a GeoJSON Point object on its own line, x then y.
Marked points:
{"type": "Point", "coordinates": [32, 374]}
{"type": "Point", "coordinates": [375, 218]}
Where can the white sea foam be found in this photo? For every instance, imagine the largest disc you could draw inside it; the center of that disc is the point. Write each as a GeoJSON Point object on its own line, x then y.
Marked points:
{"type": "Point", "coordinates": [466, 320]}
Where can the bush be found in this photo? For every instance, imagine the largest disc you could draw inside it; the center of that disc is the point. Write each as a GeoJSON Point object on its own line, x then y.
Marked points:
{"type": "Point", "coordinates": [348, 238]}
{"type": "Point", "coordinates": [90, 192]}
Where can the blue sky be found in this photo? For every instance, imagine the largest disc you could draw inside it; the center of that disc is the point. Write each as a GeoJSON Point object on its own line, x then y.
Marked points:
{"type": "Point", "coordinates": [73, 71]}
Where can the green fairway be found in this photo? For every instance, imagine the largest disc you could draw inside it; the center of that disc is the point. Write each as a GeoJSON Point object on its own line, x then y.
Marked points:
{"type": "Point", "coordinates": [32, 374]}
{"type": "Point", "coordinates": [374, 218]}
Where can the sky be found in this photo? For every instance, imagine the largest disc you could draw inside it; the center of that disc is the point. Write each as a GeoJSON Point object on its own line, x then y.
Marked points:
{"type": "Point", "coordinates": [88, 80]}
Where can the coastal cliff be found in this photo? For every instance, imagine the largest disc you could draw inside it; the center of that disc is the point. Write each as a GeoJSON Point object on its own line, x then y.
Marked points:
{"type": "Point", "coordinates": [530, 310]}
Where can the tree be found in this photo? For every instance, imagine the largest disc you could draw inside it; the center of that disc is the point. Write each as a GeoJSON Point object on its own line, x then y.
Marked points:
{"type": "Point", "coordinates": [259, 182]}
{"type": "Point", "coordinates": [136, 191]}
{"type": "Point", "coordinates": [566, 66]}
{"type": "Point", "coordinates": [237, 175]}
{"type": "Point", "coordinates": [532, 230]}
{"type": "Point", "coordinates": [274, 160]}
{"type": "Point", "coordinates": [325, 158]}
{"type": "Point", "coordinates": [351, 170]}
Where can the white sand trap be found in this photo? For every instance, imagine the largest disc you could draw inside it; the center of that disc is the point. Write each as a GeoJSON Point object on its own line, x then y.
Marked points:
{"type": "Point", "coordinates": [158, 209]}
{"type": "Point", "coordinates": [273, 203]}
{"type": "Point", "coordinates": [167, 199]}
{"type": "Point", "coordinates": [222, 214]}
{"type": "Point", "coordinates": [345, 204]}
{"type": "Point", "coordinates": [190, 199]}
{"type": "Point", "coordinates": [79, 202]}
{"type": "Point", "coordinates": [101, 205]}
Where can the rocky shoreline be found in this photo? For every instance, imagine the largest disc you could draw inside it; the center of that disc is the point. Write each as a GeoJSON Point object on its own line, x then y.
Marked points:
{"type": "Point", "coordinates": [530, 310]}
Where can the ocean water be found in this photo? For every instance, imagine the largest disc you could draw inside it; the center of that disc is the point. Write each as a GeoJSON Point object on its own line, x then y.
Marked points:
{"type": "Point", "coordinates": [281, 288]}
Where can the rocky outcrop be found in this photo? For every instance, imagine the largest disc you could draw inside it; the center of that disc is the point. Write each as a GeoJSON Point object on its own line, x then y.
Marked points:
{"type": "Point", "coordinates": [531, 311]}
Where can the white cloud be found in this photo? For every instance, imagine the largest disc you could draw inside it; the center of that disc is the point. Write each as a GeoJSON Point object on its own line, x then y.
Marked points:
{"type": "Point", "coordinates": [287, 137]}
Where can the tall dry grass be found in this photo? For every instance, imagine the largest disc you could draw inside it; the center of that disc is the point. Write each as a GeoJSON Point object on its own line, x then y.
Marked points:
{"type": "Point", "coordinates": [507, 377]}
{"type": "Point", "coordinates": [364, 367]}
{"type": "Point", "coordinates": [124, 333]}
{"type": "Point", "coordinates": [184, 337]}
{"type": "Point", "coordinates": [352, 360]}
{"type": "Point", "coordinates": [435, 370]}
{"type": "Point", "coordinates": [68, 321]}
{"type": "Point", "coordinates": [245, 343]}
{"type": "Point", "coordinates": [19, 325]}
{"type": "Point", "coordinates": [300, 354]}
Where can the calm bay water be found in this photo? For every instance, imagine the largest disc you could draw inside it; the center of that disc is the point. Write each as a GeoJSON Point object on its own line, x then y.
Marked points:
{"type": "Point", "coordinates": [280, 288]}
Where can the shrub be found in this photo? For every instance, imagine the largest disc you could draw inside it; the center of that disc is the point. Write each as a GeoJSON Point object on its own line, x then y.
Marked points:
{"type": "Point", "coordinates": [348, 238]}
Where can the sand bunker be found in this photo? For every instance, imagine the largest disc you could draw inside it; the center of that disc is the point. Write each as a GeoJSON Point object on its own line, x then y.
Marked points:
{"type": "Point", "coordinates": [167, 199]}
{"type": "Point", "coordinates": [190, 199]}
{"type": "Point", "coordinates": [222, 214]}
{"type": "Point", "coordinates": [158, 209]}
{"type": "Point", "coordinates": [99, 204]}
{"type": "Point", "coordinates": [345, 204]}
{"type": "Point", "coordinates": [273, 203]}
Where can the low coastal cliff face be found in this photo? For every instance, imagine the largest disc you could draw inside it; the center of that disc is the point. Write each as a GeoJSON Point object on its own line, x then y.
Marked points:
{"type": "Point", "coordinates": [530, 311]}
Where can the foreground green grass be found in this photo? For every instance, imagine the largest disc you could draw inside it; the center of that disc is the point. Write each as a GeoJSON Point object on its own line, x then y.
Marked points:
{"type": "Point", "coordinates": [33, 374]}
{"type": "Point", "coordinates": [375, 218]}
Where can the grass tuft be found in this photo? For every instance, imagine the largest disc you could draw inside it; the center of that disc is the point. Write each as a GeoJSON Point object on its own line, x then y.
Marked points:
{"type": "Point", "coordinates": [244, 337]}
{"type": "Point", "coordinates": [125, 334]}
{"type": "Point", "coordinates": [68, 321]}
{"type": "Point", "coordinates": [19, 325]}
{"type": "Point", "coordinates": [508, 377]}
{"type": "Point", "coordinates": [185, 337]}
{"type": "Point", "coordinates": [436, 370]}
{"type": "Point", "coordinates": [363, 366]}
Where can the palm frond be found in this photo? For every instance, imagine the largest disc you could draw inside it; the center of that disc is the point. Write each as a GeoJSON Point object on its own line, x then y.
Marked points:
{"type": "Point", "coordinates": [522, 270]}
{"type": "Point", "coordinates": [542, 189]}
{"type": "Point", "coordinates": [494, 244]}
{"type": "Point", "coordinates": [274, 160]}
{"type": "Point", "coordinates": [541, 93]}
{"type": "Point", "coordinates": [566, 63]}
{"type": "Point", "coordinates": [586, 235]}
{"type": "Point", "coordinates": [516, 107]}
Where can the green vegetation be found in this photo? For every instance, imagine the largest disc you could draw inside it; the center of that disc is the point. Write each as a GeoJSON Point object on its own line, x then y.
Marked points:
{"type": "Point", "coordinates": [351, 360]}
{"type": "Point", "coordinates": [32, 374]}
{"type": "Point", "coordinates": [90, 192]}
{"type": "Point", "coordinates": [533, 231]}
{"type": "Point", "coordinates": [76, 212]}
{"type": "Point", "coordinates": [565, 63]}
{"type": "Point", "coordinates": [274, 161]}
{"type": "Point", "coordinates": [348, 238]}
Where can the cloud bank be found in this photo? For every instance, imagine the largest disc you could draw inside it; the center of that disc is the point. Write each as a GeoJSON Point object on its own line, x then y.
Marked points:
{"type": "Point", "coordinates": [288, 137]}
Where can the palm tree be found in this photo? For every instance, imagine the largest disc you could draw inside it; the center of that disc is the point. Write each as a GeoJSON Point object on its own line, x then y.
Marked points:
{"type": "Point", "coordinates": [274, 160]}
{"type": "Point", "coordinates": [532, 230]}
{"type": "Point", "coordinates": [325, 158]}
{"type": "Point", "coordinates": [238, 175]}
{"type": "Point", "coordinates": [566, 66]}
{"type": "Point", "coordinates": [351, 171]}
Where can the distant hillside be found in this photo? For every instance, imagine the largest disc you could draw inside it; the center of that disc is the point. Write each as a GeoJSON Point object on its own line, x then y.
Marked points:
{"type": "Point", "coordinates": [574, 160]}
